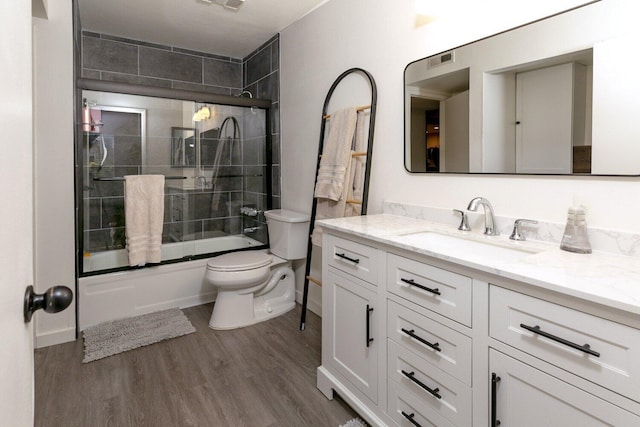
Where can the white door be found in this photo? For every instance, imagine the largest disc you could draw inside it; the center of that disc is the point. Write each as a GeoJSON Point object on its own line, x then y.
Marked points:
{"type": "Point", "coordinates": [544, 105]}
{"type": "Point", "coordinates": [16, 214]}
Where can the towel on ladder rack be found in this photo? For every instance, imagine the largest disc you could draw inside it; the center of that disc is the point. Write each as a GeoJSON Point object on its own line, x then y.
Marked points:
{"type": "Point", "coordinates": [336, 155]}
{"type": "Point", "coordinates": [144, 214]}
{"type": "Point", "coordinates": [358, 164]}
{"type": "Point", "coordinates": [328, 208]}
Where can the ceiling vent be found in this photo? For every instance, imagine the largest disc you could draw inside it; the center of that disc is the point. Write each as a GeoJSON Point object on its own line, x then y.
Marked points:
{"type": "Point", "coordinates": [233, 4]}
{"type": "Point", "coordinates": [228, 4]}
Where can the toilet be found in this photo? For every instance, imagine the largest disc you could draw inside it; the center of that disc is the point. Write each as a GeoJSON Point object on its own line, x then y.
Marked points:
{"type": "Point", "coordinates": [254, 286]}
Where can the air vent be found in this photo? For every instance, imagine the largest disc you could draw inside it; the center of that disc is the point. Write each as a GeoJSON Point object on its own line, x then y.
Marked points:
{"type": "Point", "coordinates": [441, 59]}
{"type": "Point", "coordinates": [233, 4]}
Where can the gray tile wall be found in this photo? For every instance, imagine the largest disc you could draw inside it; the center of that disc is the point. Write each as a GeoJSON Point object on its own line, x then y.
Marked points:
{"type": "Point", "coordinates": [106, 57]}
{"type": "Point", "coordinates": [261, 76]}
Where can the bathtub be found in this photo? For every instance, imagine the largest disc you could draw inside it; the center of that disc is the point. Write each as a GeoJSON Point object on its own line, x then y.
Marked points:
{"type": "Point", "coordinates": [116, 258]}
{"type": "Point", "coordinates": [128, 293]}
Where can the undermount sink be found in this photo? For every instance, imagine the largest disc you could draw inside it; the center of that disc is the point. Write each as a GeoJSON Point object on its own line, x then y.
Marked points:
{"type": "Point", "coordinates": [467, 248]}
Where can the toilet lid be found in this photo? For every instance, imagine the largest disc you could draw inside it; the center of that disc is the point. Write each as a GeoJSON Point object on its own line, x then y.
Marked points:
{"type": "Point", "coordinates": [235, 261]}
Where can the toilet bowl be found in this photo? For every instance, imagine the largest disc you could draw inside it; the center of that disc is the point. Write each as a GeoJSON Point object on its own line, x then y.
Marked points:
{"type": "Point", "coordinates": [254, 286]}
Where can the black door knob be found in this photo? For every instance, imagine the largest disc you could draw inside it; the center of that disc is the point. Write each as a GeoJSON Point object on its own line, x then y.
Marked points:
{"type": "Point", "coordinates": [55, 299]}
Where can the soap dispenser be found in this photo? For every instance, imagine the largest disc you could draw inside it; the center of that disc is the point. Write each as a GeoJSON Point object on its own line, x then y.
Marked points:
{"type": "Point", "coordinates": [575, 238]}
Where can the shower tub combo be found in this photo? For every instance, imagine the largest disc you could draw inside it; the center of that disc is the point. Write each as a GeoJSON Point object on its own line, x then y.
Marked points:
{"type": "Point", "coordinates": [218, 172]}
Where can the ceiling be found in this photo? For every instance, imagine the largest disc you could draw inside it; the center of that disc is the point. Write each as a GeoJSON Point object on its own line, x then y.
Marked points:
{"type": "Point", "coordinates": [193, 24]}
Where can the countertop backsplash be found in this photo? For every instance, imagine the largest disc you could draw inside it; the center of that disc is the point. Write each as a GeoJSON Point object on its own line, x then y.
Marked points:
{"type": "Point", "coordinates": [602, 240]}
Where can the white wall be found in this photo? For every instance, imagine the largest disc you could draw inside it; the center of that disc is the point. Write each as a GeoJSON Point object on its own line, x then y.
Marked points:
{"type": "Point", "coordinates": [383, 37]}
{"type": "Point", "coordinates": [54, 166]}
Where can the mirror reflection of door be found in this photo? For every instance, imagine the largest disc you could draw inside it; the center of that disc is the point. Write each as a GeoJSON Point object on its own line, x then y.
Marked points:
{"type": "Point", "coordinates": [432, 119]}
{"type": "Point", "coordinates": [425, 143]}
{"type": "Point", "coordinates": [183, 147]}
{"type": "Point", "coordinates": [550, 118]}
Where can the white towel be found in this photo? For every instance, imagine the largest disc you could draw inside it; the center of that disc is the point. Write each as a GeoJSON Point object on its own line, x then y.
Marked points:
{"type": "Point", "coordinates": [326, 208]}
{"type": "Point", "coordinates": [336, 155]}
{"type": "Point", "coordinates": [358, 164]}
{"type": "Point", "coordinates": [144, 214]}
{"type": "Point", "coordinates": [352, 189]}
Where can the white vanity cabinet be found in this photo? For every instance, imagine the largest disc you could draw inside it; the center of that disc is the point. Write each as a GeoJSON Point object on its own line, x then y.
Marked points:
{"type": "Point", "coordinates": [586, 346]}
{"type": "Point", "coordinates": [527, 397]}
{"type": "Point", "coordinates": [411, 339]}
{"type": "Point", "coordinates": [429, 363]}
{"type": "Point", "coordinates": [353, 350]}
{"type": "Point", "coordinates": [351, 333]}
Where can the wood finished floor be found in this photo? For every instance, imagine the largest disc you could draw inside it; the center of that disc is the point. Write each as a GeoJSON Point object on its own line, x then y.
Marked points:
{"type": "Point", "coordinates": [260, 376]}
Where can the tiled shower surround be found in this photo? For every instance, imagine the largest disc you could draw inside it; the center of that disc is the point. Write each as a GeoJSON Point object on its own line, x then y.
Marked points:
{"type": "Point", "coordinates": [110, 58]}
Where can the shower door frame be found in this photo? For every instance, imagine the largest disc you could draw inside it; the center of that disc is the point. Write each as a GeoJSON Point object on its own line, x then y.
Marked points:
{"type": "Point", "coordinates": [142, 112]}
{"type": "Point", "coordinates": [168, 93]}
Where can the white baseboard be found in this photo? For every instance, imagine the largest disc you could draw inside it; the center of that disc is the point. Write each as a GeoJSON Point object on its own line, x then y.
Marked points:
{"type": "Point", "coordinates": [313, 305]}
{"type": "Point", "coordinates": [55, 337]}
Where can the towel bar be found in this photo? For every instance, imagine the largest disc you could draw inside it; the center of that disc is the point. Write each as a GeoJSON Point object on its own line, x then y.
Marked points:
{"type": "Point", "coordinates": [121, 178]}
{"type": "Point", "coordinates": [361, 108]}
{"type": "Point", "coordinates": [314, 280]}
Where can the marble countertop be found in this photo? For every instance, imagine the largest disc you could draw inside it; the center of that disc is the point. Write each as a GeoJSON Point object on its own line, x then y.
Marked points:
{"type": "Point", "coordinates": [603, 278]}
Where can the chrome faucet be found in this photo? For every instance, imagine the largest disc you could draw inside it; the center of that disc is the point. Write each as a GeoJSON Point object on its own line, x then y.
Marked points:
{"type": "Point", "coordinates": [489, 220]}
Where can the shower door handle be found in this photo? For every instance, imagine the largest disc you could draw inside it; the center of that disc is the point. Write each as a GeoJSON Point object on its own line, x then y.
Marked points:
{"type": "Point", "coordinates": [55, 299]}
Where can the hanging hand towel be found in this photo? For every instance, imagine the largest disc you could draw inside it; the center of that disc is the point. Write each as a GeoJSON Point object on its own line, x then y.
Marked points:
{"type": "Point", "coordinates": [326, 208]}
{"type": "Point", "coordinates": [336, 155]}
{"type": "Point", "coordinates": [358, 164]}
{"type": "Point", "coordinates": [144, 213]}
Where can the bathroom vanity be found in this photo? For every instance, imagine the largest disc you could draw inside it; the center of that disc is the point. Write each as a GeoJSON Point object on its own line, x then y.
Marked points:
{"type": "Point", "coordinates": [426, 325]}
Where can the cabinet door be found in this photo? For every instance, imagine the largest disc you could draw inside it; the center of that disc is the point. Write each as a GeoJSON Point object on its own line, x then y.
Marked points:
{"type": "Point", "coordinates": [352, 330]}
{"type": "Point", "coordinates": [524, 396]}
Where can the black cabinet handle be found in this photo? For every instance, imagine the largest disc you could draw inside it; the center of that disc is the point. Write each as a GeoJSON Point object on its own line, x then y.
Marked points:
{"type": "Point", "coordinates": [343, 256]}
{"type": "Point", "coordinates": [410, 418]}
{"type": "Point", "coordinates": [536, 330]}
{"type": "Point", "coordinates": [435, 291]}
{"type": "Point", "coordinates": [494, 384]}
{"type": "Point", "coordinates": [411, 376]}
{"type": "Point", "coordinates": [411, 333]}
{"type": "Point", "coordinates": [369, 339]}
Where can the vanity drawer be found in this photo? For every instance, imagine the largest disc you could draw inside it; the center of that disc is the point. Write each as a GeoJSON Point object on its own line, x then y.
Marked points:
{"type": "Point", "coordinates": [439, 290]}
{"type": "Point", "coordinates": [436, 389]}
{"type": "Point", "coordinates": [404, 406]}
{"type": "Point", "coordinates": [351, 257]}
{"type": "Point", "coordinates": [610, 352]}
{"type": "Point", "coordinates": [441, 346]}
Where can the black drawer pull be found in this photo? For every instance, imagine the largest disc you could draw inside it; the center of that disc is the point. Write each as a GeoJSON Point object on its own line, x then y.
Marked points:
{"type": "Point", "coordinates": [410, 418]}
{"type": "Point", "coordinates": [411, 333]}
{"type": "Point", "coordinates": [343, 256]}
{"type": "Point", "coordinates": [435, 291]}
{"type": "Point", "coordinates": [433, 391]}
{"type": "Point", "coordinates": [369, 339]}
{"type": "Point", "coordinates": [495, 422]}
{"type": "Point", "coordinates": [536, 330]}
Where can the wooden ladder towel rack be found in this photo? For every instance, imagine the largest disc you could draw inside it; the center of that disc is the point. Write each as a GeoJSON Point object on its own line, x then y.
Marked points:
{"type": "Point", "coordinates": [367, 172]}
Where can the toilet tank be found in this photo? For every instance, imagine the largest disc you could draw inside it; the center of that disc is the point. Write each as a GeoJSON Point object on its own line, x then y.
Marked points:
{"type": "Point", "coordinates": [288, 233]}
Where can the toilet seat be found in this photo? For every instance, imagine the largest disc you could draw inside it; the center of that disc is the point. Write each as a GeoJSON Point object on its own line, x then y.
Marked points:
{"type": "Point", "coordinates": [239, 261]}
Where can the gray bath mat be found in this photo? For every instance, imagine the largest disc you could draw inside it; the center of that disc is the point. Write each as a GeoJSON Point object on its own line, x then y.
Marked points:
{"type": "Point", "coordinates": [109, 338]}
{"type": "Point", "coordinates": [356, 422]}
